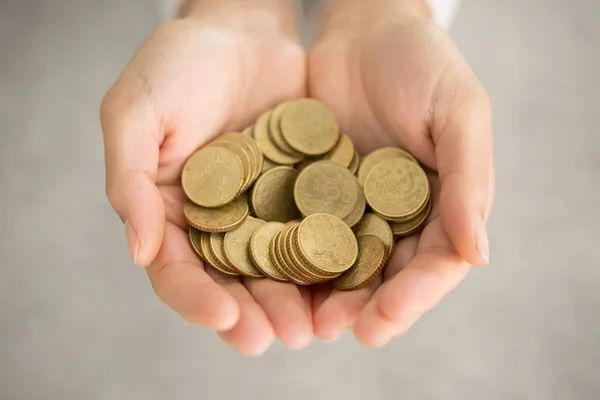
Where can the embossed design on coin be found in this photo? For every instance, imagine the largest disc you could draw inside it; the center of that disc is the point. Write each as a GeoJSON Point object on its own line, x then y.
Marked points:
{"type": "Point", "coordinates": [259, 250]}
{"type": "Point", "coordinates": [309, 127]}
{"type": "Point", "coordinates": [326, 187]}
{"type": "Point", "coordinates": [273, 195]}
{"type": "Point", "coordinates": [236, 245]}
{"type": "Point", "coordinates": [370, 262]}
{"type": "Point", "coordinates": [397, 187]}
{"type": "Point", "coordinates": [373, 224]}
{"type": "Point", "coordinates": [379, 155]}
{"type": "Point", "coordinates": [212, 176]}
{"type": "Point", "coordinates": [327, 242]}
{"type": "Point", "coordinates": [221, 219]}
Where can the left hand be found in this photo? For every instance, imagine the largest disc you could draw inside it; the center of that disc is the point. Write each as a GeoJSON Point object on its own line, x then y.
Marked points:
{"type": "Point", "coordinates": [395, 78]}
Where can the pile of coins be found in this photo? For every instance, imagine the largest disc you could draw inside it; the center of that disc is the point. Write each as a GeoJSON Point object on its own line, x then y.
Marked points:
{"type": "Point", "coordinates": [289, 199]}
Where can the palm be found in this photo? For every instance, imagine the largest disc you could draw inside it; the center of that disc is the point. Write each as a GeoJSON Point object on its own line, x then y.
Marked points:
{"type": "Point", "coordinates": [205, 82]}
{"type": "Point", "coordinates": [381, 86]}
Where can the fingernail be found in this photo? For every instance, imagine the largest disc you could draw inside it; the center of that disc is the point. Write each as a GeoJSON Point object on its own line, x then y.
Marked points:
{"type": "Point", "coordinates": [132, 241]}
{"type": "Point", "coordinates": [482, 243]}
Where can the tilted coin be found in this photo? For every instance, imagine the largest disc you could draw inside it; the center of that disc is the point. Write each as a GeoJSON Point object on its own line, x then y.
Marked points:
{"type": "Point", "coordinates": [273, 195]}
{"type": "Point", "coordinates": [212, 177]}
{"type": "Point", "coordinates": [373, 224]}
{"type": "Point", "coordinates": [266, 145]}
{"type": "Point", "coordinates": [409, 227]}
{"type": "Point", "coordinates": [275, 131]}
{"type": "Point", "coordinates": [267, 165]}
{"type": "Point", "coordinates": [355, 163]}
{"type": "Point", "coordinates": [397, 187]}
{"type": "Point", "coordinates": [359, 209]}
{"type": "Point", "coordinates": [368, 265]}
{"type": "Point", "coordinates": [326, 187]}
{"type": "Point", "coordinates": [288, 263]}
{"type": "Point", "coordinates": [210, 256]}
{"type": "Point", "coordinates": [237, 247]}
{"type": "Point", "coordinates": [195, 237]}
{"type": "Point", "coordinates": [379, 155]}
{"type": "Point", "coordinates": [309, 127]}
{"type": "Point", "coordinates": [275, 250]}
{"type": "Point", "coordinates": [249, 131]}
{"type": "Point", "coordinates": [243, 155]}
{"type": "Point", "coordinates": [217, 250]}
{"type": "Point", "coordinates": [221, 219]}
{"type": "Point", "coordinates": [327, 242]}
{"type": "Point", "coordinates": [249, 146]}
{"type": "Point", "coordinates": [342, 153]}
{"type": "Point", "coordinates": [259, 250]}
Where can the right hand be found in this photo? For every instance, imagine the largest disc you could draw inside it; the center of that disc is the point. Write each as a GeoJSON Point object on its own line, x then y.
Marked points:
{"type": "Point", "coordinates": [193, 79]}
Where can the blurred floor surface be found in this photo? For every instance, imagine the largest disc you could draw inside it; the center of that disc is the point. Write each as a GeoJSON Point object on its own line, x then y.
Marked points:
{"type": "Point", "coordinates": [78, 321]}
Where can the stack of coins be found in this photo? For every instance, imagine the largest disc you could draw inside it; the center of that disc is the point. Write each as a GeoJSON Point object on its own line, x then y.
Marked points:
{"type": "Point", "coordinates": [289, 199]}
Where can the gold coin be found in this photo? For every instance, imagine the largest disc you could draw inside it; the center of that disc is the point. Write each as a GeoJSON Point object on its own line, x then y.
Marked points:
{"type": "Point", "coordinates": [373, 224]}
{"type": "Point", "coordinates": [409, 227]}
{"type": "Point", "coordinates": [259, 250]}
{"type": "Point", "coordinates": [195, 236]}
{"type": "Point", "coordinates": [326, 187]}
{"type": "Point", "coordinates": [249, 131]}
{"type": "Point", "coordinates": [342, 153]}
{"type": "Point", "coordinates": [407, 217]}
{"type": "Point", "coordinates": [358, 211]}
{"type": "Point", "coordinates": [212, 177]}
{"type": "Point", "coordinates": [237, 247]}
{"type": "Point", "coordinates": [210, 256]}
{"type": "Point", "coordinates": [309, 127]}
{"type": "Point", "coordinates": [278, 260]}
{"type": "Point", "coordinates": [272, 197]}
{"type": "Point", "coordinates": [306, 162]}
{"type": "Point", "coordinates": [267, 165]}
{"type": "Point", "coordinates": [244, 156]}
{"type": "Point", "coordinates": [298, 269]}
{"type": "Point", "coordinates": [396, 188]}
{"type": "Point", "coordinates": [275, 131]}
{"type": "Point", "coordinates": [370, 262]}
{"type": "Point", "coordinates": [355, 163]}
{"type": "Point", "coordinates": [327, 243]}
{"type": "Point", "coordinates": [266, 145]}
{"type": "Point", "coordinates": [301, 265]}
{"type": "Point", "coordinates": [292, 222]}
{"type": "Point", "coordinates": [222, 219]}
{"type": "Point", "coordinates": [251, 148]}
{"type": "Point", "coordinates": [215, 246]}
{"type": "Point", "coordinates": [379, 155]}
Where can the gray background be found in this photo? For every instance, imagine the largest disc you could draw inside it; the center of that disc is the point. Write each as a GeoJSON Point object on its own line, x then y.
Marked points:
{"type": "Point", "coordinates": [79, 321]}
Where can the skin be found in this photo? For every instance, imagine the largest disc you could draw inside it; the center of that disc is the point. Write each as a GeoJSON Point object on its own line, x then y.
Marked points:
{"type": "Point", "coordinates": [215, 70]}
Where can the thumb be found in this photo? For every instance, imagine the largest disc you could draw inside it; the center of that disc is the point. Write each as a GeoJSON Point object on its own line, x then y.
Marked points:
{"type": "Point", "coordinates": [132, 135]}
{"type": "Point", "coordinates": [462, 134]}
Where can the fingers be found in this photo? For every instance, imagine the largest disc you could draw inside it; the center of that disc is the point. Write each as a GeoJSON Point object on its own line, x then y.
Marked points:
{"type": "Point", "coordinates": [429, 276]}
{"type": "Point", "coordinates": [131, 142]}
{"type": "Point", "coordinates": [462, 134]}
{"type": "Point", "coordinates": [286, 309]}
{"type": "Point", "coordinates": [339, 311]}
{"type": "Point", "coordinates": [253, 333]}
{"type": "Point", "coordinates": [180, 281]}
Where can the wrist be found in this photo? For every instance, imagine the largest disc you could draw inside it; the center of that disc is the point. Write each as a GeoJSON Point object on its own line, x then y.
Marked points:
{"type": "Point", "coordinates": [359, 14]}
{"type": "Point", "coordinates": [247, 15]}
